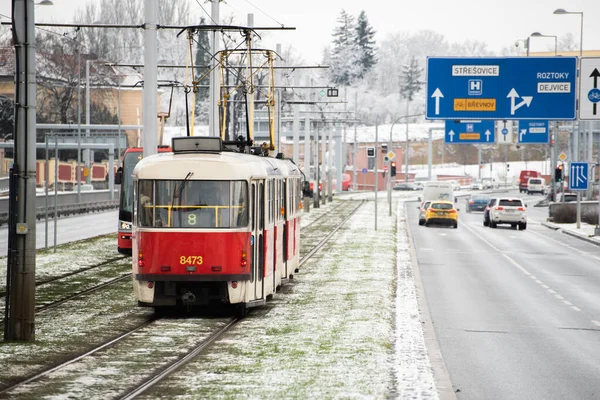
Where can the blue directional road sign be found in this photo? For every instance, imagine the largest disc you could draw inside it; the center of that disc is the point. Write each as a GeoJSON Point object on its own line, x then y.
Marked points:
{"type": "Point", "coordinates": [578, 176]}
{"type": "Point", "coordinates": [501, 88]}
{"type": "Point", "coordinates": [364, 170]}
{"type": "Point", "coordinates": [458, 132]}
{"type": "Point", "coordinates": [533, 132]}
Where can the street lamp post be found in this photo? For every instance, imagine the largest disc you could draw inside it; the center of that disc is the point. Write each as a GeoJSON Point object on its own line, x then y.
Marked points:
{"type": "Point", "coordinates": [537, 34]}
{"type": "Point", "coordinates": [562, 11]}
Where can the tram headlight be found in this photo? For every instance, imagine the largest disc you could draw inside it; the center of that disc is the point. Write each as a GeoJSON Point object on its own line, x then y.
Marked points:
{"type": "Point", "coordinates": [126, 225]}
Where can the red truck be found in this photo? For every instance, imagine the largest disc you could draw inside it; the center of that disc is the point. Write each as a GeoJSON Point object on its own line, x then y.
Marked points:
{"type": "Point", "coordinates": [524, 177]}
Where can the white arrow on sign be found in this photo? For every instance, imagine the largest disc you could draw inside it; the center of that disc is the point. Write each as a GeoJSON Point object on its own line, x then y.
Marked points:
{"type": "Point", "coordinates": [487, 135]}
{"type": "Point", "coordinates": [514, 107]}
{"type": "Point", "coordinates": [451, 133]}
{"type": "Point", "coordinates": [437, 94]}
{"type": "Point", "coordinates": [522, 133]}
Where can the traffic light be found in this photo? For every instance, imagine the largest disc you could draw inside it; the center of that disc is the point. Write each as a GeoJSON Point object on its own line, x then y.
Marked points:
{"type": "Point", "coordinates": [507, 167]}
{"type": "Point", "coordinates": [558, 173]}
{"type": "Point", "coordinates": [393, 168]}
{"type": "Point", "coordinates": [371, 152]}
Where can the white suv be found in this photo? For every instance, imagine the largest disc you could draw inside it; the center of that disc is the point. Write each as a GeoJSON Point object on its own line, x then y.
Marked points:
{"type": "Point", "coordinates": [536, 185]}
{"type": "Point", "coordinates": [509, 210]}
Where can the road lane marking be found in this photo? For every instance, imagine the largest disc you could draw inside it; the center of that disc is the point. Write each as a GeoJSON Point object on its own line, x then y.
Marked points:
{"type": "Point", "coordinates": [562, 244]}
{"type": "Point", "coordinates": [522, 269]}
{"type": "Point", "coordinates": [596, 322]}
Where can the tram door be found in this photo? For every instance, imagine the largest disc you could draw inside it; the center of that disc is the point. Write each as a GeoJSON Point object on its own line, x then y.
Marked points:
{"type": "Point", "coordinates": [258, 242]}
{"type": "Point", "coordinates": [285, 228]}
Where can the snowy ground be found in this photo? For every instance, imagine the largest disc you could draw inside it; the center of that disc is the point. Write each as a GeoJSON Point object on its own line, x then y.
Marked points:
{"type": "Point", "coordinates": [349, 326]}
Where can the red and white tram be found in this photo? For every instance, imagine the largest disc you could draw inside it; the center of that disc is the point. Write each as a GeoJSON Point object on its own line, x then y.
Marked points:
{"type": "Point", "coordinates": [213, 226]}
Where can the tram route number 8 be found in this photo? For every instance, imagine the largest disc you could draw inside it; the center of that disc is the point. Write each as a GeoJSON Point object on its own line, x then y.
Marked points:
{"type": "Point", "coordinates": [190, 260]}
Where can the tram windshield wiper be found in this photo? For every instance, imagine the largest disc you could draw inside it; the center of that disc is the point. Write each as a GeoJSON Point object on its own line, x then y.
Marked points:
{"type": "Point", "coordinates": [177, 193]}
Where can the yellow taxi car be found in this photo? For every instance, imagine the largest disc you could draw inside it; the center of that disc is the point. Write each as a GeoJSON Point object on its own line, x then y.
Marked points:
{"type": "Point", "coordinates": [441, 212]}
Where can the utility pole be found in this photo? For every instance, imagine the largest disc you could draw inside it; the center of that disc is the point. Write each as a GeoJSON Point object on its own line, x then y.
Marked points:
{"type": "Point", "coordinates": [355, 144]}
{"type": "Point", "coordinates": [376, 166]}
{"type": "Point", "coordinates": [20, 283]}
{"type": "Point", "coordinates": [213, 117]}
{"type": "Point", "coordinates": [150, 91]}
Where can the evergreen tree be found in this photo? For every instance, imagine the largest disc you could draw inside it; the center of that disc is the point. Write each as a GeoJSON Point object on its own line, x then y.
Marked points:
{"type": "Point", "coordinates": [345, 55]}
{"type": "Point", "coordinates": [412, 79]}
{"type": "Point", "coordinates": [365, 39]}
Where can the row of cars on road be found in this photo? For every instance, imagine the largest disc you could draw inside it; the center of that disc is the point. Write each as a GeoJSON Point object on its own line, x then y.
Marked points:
{"type": "Point", "coordinates": [499, 210]}
{"type": "Point", "coordinates": [412, 186]}
{"type": "Point", "coordinates": [496, 211]}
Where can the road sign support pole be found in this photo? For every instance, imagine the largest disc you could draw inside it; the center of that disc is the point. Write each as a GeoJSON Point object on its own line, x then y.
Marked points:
{"type": "Point", "coordinates": [597, 230]}
{"type": "Point", "coordinates": [590, 157]}
{"type": "Point", "coordinates": [429, 153]}
{"type": "Point", "coordinates": [578, 209]}
{"type": "Point", "coordinates": [553, 159]}
{"type": "Point", "coordinates": [479, 161]}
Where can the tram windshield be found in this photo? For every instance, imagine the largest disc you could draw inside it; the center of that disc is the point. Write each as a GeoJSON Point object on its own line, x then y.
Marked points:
{"type": "Point", "coordinates": [130, 160]}
{"type": "Point", "coordinates": [192, 204]}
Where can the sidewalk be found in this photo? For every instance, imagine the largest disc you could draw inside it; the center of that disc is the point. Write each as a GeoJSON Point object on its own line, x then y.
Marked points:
{"type": "Point", "coordinates": [586, 231]}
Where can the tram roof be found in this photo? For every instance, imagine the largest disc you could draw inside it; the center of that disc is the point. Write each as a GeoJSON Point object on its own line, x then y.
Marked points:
{"type": "Point", "coordinates": [212, 166]}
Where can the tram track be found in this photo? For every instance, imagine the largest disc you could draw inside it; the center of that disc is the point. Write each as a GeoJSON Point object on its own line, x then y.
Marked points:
{"type": "Point", "coordinates": [56, 290]}
{"type": "Point", "coordinates": [125, 346]}
{"type": "Point", "coordinates": [53, 279]}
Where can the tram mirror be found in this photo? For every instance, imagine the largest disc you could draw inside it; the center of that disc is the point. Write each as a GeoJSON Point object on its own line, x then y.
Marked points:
{"type": "Point", "coordinates": [306, 192]}
{"type": "Point", "coordinates": [118, 176]}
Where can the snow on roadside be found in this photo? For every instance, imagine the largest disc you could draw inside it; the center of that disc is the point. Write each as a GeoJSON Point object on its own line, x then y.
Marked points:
{"type": "Point", "coordinates": [413, 367]}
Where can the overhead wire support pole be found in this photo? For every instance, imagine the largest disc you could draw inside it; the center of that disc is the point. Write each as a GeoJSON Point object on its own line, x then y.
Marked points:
{"type": "Point", "coordinates": [20, 280]}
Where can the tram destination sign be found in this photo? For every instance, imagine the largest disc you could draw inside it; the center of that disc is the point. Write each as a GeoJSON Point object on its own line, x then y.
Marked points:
{"type": "Point", "coordinates": [501, 88]}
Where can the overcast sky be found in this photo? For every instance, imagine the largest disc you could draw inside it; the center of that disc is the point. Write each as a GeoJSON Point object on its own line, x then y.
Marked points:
{"type": "Point", "coordinates": [497, 22]}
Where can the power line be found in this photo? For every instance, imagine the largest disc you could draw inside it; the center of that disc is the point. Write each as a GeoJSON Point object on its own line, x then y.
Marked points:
{"type": "Point", "coordinates": [264, 13]}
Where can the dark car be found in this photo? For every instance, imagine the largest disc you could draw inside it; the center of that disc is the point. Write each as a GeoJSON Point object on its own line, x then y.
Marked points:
{"type": "Point", "coordinates": [405, 186]}
{"type": "Point", "coordinates": [477, 202]}
{"type": "Point", "coordinates": [486, 212]}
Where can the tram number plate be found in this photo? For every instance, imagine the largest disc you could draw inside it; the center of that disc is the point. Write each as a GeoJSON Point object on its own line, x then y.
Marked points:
{"type": "Point", "coordinates": [190, 260]}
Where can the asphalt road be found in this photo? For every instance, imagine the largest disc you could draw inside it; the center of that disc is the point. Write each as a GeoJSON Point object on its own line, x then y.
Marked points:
{"type": "Point", "coordinates": [516, 313]}
{"type": "Point", "coordinates": [69, 229]}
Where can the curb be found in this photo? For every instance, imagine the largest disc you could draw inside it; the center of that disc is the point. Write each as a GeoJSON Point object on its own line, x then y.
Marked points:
{"type": "Point", "coordinates": [573, 234]}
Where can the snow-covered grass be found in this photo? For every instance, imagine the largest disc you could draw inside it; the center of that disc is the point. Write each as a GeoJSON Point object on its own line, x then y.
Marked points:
{"type": "Point", "coordinates": [347, 326]}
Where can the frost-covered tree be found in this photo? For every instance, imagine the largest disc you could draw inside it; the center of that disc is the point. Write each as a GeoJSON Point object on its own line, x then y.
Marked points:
{"type": "Point", "coordinates": [126, 45]}
{"type": "Point", "coordinates": [365, 39]}
{"type": "Point", "coordinates": [201, 75]}
{"type": "Point", "coordinates": [345, 55]}
{"type": "Point", "coordinates": [470, 48]}
{"type": "Point", "coordinates": [412, 79]}
{"type": "Point", "coordinates": [567, 43]}
{"type": "Point", "coordinates": [7, 117]}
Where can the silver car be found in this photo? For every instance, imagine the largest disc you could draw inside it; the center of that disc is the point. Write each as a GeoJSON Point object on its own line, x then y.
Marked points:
{"type": "Point", "coordinates": [422, 209]}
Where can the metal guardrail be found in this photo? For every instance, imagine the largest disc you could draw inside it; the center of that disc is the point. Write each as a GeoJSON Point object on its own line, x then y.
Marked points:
{"type": "Point", "coordinates": [66, 204]}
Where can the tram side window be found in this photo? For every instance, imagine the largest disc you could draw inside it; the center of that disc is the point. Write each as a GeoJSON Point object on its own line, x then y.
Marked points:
{"type": "Point", "coordinates": [145, 205]}
{"type": "Point", "coordinates": [239, 204]}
